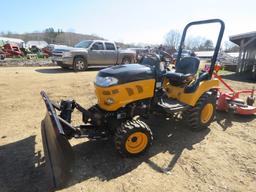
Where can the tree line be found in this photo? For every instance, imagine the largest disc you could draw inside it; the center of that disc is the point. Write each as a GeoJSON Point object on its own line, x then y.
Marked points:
{"type": "Point", "coordinates": [52, 36]}
{"type": "Point", "coordinates": [173, 37]}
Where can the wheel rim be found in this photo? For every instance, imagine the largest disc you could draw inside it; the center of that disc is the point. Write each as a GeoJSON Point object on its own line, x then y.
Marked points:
{"type": "Point", "coordinates": [80, 65]}
{"type": "Point", "coordinates": [206, 113]}
{"type": "Point", "coordinates": [136, 142]}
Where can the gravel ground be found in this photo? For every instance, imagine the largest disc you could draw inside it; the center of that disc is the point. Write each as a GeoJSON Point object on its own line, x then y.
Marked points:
{"type": "Point", "coordinates": [221, 158]}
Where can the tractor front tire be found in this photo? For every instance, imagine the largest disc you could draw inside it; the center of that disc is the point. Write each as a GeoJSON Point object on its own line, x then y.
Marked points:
{"type": "Point", "coordinates": [201, 115]}
{"type": "Point", "coordinates": [133, 138]}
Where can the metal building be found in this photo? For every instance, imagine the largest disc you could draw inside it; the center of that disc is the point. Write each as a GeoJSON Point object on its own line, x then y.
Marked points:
{"type": "Point", "coordinates": [4, 40]}
{"type": "Point", "coordinates": [247, 53]}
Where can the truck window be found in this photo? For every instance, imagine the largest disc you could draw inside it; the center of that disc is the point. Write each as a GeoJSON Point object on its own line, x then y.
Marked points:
{"type": "Point", "coordinates": [110, 46]}
{"type": "Point", "coordinates": [98, 46]}
{"type": "Point", "coordinates": [83, 44]}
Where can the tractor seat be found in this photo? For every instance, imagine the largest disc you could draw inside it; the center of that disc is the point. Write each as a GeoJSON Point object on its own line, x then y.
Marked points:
{"type": "Point", "coordinates": [178, 79]}
{"type": "Point", "coordinates": [185, 71]}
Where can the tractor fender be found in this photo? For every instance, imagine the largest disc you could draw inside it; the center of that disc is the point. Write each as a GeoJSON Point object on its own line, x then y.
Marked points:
{"type": "Point", "coordinates": [191, 98]}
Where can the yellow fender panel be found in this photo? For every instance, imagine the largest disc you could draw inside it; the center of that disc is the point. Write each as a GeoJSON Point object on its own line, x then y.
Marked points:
{"type": "Point", "coordinates": [191, 98]}
{"type": "Point", "coordinates": [123, 94]}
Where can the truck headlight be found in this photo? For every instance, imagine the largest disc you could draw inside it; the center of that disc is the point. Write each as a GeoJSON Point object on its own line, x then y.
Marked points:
{"type": "Point", "coordinates": [66, 54]}
{"type": "Point", "coordinates": [106, 81]}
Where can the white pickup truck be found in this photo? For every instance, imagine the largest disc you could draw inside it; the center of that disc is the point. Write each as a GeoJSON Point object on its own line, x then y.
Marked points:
{"type": "Point", "coordinates": [92, 53]}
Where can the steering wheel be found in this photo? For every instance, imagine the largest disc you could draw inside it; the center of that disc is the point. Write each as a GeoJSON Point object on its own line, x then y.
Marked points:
{"type": "Point", "coordinates": [150, 59]}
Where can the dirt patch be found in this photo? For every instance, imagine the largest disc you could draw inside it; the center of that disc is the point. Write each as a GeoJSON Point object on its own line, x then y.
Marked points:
{"type": "Point", "coordinates": [221, 158]}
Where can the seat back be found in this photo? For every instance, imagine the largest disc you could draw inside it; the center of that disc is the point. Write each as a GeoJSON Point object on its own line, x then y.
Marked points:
{"type": "Point", "coordinates": [151, 61]}
{"type": "Point", "coordinates": [188, 65]}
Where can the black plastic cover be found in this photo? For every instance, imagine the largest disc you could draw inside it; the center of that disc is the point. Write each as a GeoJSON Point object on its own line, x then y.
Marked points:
{"type": "Point", "coordinates": [187, 65]}
{"type": "Point", "coordinates": [128, 72]}
{"type": "Point", "coordinates": [178, 79]}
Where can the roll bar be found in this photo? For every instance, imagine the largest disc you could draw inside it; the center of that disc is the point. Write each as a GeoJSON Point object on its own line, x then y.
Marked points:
{"type": "Point", "coordinates": [217, 47]}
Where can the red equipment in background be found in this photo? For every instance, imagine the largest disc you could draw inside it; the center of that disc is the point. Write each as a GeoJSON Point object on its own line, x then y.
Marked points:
{"type": "Point", "coordinates": [47, 51]}
{"type": "Point", "coordinates": [12, 50]}
{"type": "Point", "coordinates": [230, 101]}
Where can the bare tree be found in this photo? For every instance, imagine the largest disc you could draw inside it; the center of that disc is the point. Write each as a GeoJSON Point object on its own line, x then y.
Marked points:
{"type": "Point", "coordinates": [50, 35]}
{"type": "Point", "coordinates": [172, 39]}
{"type": "Point", "coordinates": [208, 45]}
{"type": "Point", "coordinates": [193, 43]}
{"type": "Point", "coordinates": [229, 46]}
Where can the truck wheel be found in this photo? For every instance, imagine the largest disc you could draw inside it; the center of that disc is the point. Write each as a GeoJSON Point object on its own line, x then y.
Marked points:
{"type": "Point", "coordinates": [133, 138]}
{"type": "Point", "coordinates": [201, 115]}
{"type": "Point", "coordinates": [80, 64]}
{"type": "Point", "coordinates": [126, 60]}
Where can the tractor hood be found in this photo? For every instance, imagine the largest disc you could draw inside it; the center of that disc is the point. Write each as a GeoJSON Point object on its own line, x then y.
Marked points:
{"type": "Point", "coordinates": [70, 49]}
{"type": "Point", "coordinates": [128, 72]}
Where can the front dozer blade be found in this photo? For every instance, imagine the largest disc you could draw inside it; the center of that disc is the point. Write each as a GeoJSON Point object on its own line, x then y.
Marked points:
{"type": "Point", "coordinates": [58, 152]}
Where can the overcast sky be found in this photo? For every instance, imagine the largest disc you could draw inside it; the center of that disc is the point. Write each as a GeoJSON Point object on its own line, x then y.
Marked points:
{"type": "Point", "coordinates": [127, 21]}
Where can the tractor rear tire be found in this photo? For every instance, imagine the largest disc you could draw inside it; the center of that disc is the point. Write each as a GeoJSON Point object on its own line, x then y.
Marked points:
{"type": "Point", "coordinates": [133, 138]}
{"type": "Point", "coordinates": [201, 115]}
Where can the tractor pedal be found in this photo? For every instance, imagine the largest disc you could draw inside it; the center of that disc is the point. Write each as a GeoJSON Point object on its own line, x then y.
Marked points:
{"type": "Point", "coordinates": [172, 105]}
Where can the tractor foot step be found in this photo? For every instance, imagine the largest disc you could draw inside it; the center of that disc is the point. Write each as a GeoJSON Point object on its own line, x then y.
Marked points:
{"type": "Point", "coordinates": [93, 134]}
{"type": "Point", "coordinates": [172, 105]}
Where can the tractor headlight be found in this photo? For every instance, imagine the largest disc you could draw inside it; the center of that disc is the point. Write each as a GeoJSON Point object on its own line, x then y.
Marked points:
{"type": "Point", "coordinates": [109, 101]}
{"type": "Point", "coordinates": [106, 81]}
{"type": "Point", "coordinates": [67, 54]}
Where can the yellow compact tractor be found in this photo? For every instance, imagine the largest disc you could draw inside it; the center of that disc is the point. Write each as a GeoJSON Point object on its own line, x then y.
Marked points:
{"type": "Point", "coordinates": [126, 92]}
